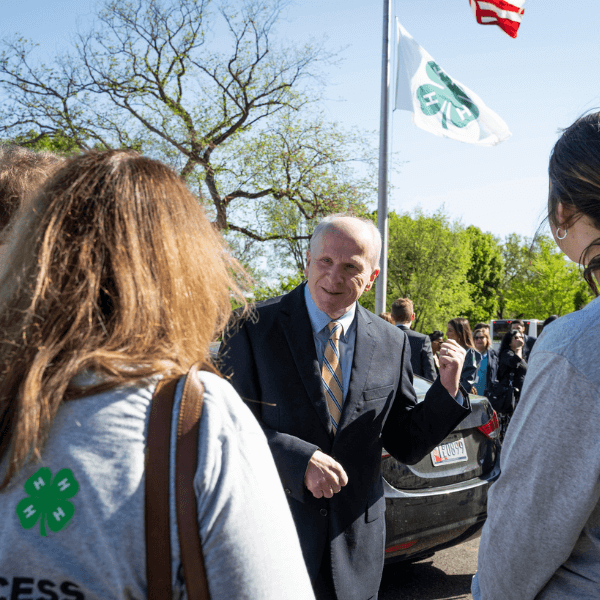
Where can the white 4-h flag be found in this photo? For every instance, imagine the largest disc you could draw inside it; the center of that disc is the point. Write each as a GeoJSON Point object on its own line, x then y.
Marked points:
{"type": "Point", "coordinates": [439, 104]}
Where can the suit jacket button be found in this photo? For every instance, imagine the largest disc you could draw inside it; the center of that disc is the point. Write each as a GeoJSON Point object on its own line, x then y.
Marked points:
{"type": "Point", "coordinates": [288, 492]}
{"type": "Point", "coordinates": [323, 512]}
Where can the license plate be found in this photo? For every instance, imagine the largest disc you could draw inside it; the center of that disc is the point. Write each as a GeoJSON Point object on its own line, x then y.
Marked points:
{"type": "Point", "coordinates": [449, 452]}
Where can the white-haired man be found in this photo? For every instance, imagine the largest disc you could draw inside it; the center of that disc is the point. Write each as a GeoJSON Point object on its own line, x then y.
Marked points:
{"type": "Point", "coordinates": [330, 383]}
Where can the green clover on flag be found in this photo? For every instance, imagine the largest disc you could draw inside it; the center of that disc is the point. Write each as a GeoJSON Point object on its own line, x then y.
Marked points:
{"type": "Point", "coordinates": [446, 96]}
{"type": "Point", "coordinates": [48, 500]}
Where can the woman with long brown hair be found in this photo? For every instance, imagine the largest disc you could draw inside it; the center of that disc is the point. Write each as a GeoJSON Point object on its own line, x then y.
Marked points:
{"type": "Point", "coordinates": [459, 330]}
{"type": "Point", "coordinates": [112, 279]}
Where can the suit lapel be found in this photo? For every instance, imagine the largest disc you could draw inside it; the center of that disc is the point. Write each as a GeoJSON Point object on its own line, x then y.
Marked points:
{"type": "Point", "coordinates": [364, 349]}
{"type": "Point", "coordinates": [297, 329]}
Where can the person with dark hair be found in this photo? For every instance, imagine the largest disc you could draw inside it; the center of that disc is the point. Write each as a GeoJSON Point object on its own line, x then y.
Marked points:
{"type": "Point", "coordinates": [512, 366]}
{"type": "Point", "coordinates": [421, 355]}
{"type": "Point", "coordinates": [111, 280]}
{"type": "Point", "coordinates": [541, 538]}
{"type": "Point", "coordinates": [459, 330]}
{"type": "Point", "coordinates": [528, 340]}
{"type": "Point", "coordinates": [437, 339]}
{"type": "Point", "coordinates": [549, 320]}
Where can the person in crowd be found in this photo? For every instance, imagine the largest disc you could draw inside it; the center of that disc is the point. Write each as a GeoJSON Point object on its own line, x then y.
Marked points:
{"type": "Point", "coordinates": [549, 320]}
{"type": "Point", "coordinates": [541, 538]}
{"type": "Point", "coordinates": [459, 330]}
{"type": "Point", "coordinates": [529, 340]}
{"type": "Point", "coordinates": [512, 366]}
{"type": "Point", "coordinates": [331, 384]}
{"type": "Point", "coordinates": [488, 366]}
{"type": "Point", "coordinates": [511, 371]}
{"type": "Point", "coordinates": [437, 339]}
{"type": "Point", "coordinates": [22, 171]}
{"type": "Point", "coordinates": [421, 355]}
{"type": "Point", "coordinates": [386, 316]}
{"type": "Point", "coordinates": [112, 278]}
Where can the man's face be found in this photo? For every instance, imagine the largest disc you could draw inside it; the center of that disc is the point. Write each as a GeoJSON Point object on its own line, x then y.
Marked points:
{"type": "Point", "coordinates": [339, 269]}
{"type": "Point", "coordinates": [518, 327]}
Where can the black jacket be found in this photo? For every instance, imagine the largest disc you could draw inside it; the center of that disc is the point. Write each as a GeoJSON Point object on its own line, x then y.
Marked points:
{"type": "Point", "coordinates": [274, 367]}
{"type": "Point", "coordinates": [492, 369]}
{"type": "Point", "coordinates": [512, 368]}
{"type": "Point", "coordinates": [468, 375]}
{"type": "Point", "coordinates": [421, 355]}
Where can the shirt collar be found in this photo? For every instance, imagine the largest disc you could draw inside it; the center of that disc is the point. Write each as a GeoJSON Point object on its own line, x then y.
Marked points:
{"type": "Point", "coordinates": [319, 320]}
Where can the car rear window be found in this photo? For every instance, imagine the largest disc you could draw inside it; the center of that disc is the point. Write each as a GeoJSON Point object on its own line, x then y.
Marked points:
{"type": "Point", "coordinates": [421, 386]}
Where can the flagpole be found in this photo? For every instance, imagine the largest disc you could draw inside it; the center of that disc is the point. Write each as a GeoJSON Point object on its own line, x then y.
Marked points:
{"type": "Point", "coordinates": [382, 210]}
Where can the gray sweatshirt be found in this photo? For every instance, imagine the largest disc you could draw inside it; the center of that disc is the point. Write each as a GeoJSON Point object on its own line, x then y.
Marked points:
{"type": "Point", "coordinates": [73, 524]}
{"type": "Point", "coordinates": [542, 536]}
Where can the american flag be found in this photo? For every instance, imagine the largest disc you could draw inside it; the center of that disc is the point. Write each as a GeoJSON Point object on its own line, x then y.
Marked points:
{"type": "Point", "coordinates": [498, 12]}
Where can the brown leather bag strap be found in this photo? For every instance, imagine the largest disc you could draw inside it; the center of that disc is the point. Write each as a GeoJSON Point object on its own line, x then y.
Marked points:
{"type": "Point", "coordinates": [158, 532]}
{"type": "Point", "coordinates": [186, 463]}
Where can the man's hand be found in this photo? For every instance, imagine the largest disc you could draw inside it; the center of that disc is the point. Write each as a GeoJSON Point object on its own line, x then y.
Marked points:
{"type": "Point", "coordinates": [324, 475]}
{"type": "Point", "coordinates": [452, 357]}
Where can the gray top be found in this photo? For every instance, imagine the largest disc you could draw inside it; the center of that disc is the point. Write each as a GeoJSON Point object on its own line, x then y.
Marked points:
{"type": "Point", "coordinates": [542, 535]}
{"type": "Point", "coordinates": [248, 537]}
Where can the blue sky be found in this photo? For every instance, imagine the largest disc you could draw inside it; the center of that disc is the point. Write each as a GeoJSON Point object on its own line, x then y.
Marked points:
{"type": "Point", "coordinates": [537, 83]}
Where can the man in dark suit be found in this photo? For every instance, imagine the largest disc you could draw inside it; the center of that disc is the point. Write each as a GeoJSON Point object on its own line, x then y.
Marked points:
{"type": "Point", "coordinates": [421, 355]}
{"type": "Point", "coordinates": [291, 371]}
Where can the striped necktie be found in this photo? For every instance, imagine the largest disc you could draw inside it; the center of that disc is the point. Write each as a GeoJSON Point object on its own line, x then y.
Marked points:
{"type": "Point", "coordinates": [331, 373]}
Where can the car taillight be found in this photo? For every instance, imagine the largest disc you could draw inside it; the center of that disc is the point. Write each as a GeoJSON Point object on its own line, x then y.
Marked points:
{"type": "Point", "coordinates": [491, 428]}
{"type": "Point", "coordinates": [404, 546]}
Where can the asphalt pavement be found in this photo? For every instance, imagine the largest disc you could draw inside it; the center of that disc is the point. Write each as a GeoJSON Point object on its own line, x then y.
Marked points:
{"type": "Point", "coordinates": [445, 576]}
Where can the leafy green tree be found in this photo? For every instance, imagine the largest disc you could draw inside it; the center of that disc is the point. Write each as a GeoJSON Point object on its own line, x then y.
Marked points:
{"type": "Point", "coordinates": [205, 88]}
{"type": "Point", "coordinates": [428, 262]}
{"type": "Point", "coordinates": [485, 274]}
{"type": "Point", "coordinates": [545, 282]}
{"type": "Point", "coordinates": [516, 255]}
{"type": "Point", "coordinates": [59, 143]}
{"type": "Point", "coordinates": [284, 285]}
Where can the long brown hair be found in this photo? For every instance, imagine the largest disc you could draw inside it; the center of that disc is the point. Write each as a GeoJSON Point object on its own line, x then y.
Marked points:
{"type": "Point", "coordinates": [463, 331]}
{"type": "Point", "coordinates": [115, 269]}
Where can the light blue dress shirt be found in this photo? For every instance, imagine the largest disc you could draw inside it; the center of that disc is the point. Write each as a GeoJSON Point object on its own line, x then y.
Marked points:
{"type": "Point", "coordinates": [319, 321]}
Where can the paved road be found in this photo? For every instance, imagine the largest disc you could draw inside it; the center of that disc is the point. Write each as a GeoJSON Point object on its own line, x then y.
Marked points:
{"type": "Point", "coordinates": [445, 576]}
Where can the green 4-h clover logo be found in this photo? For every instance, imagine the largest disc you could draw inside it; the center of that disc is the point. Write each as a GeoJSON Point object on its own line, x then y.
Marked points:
{"type": "Point", "coordinates": [48, 500]}
{"type": "Point", "coordinates": [444, 95]}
